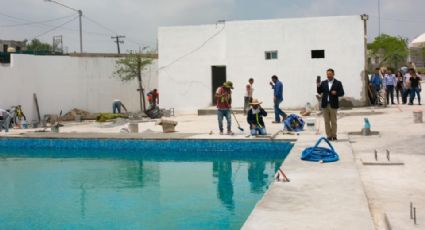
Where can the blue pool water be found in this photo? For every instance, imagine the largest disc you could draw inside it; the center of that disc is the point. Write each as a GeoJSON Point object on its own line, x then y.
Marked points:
{"type": "Point", "coordinates": [120, 184]}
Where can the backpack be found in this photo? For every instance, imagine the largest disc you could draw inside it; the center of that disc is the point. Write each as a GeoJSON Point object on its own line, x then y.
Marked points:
{"type": "Point", "coordinates": [294, 123]}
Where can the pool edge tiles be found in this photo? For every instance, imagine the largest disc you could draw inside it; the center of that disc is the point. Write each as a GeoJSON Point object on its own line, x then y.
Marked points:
{"type": "Point", "coordinates": [178, 145]}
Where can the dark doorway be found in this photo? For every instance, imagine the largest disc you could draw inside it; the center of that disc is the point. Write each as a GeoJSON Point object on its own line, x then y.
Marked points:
{"type": "Point", "coordinates": [218, 78]}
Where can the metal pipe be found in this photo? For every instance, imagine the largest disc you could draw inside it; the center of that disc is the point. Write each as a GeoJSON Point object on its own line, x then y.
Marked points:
{"type": "Point", "coordinates": [80, 15]}
{"type": "Point", "coordinates": [365, 17]}
{"type": "Point", "coordinates": [411, 210]}
{"type": "Point", "coordinates": [414, 215]}
{"type": "Point", "coordinates": [376, 155]}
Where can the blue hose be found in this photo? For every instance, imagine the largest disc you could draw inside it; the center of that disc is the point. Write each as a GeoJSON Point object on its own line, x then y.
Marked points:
{"type": "Point", "coordinates": [320, 154]}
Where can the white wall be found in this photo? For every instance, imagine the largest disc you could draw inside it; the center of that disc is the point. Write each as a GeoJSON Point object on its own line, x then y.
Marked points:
{"type": "Point", "coordinates": [241, 46]}
{"type": "Point", "coordinates": [64, 83]}
{"type": "Point", "coordinates": [185, 82]}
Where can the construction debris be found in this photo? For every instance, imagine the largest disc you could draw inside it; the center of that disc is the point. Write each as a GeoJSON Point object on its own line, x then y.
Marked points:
{"type": "Point", "coordinates": [168, 126]}
{"type": "Point", "coordinates": [103, 117]}
{"type": "Point", "coordinates": [133, 127]}
{"type": "Point", "coordinates": [78, 114]}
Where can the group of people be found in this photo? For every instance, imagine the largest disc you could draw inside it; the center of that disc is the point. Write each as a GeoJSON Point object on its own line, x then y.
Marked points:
{"type": "Point", "coordinates": [255, 114]}
{"type": "Point", "coordinates": [405, 84]}
{"type": "Point", "coordinates": [330, 90]}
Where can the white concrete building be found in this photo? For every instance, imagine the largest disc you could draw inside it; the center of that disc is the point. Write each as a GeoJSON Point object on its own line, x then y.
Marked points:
{"type": "Point", "coordinates": [67, 82]}
{"type": "Point", "coordinates": [194, 60]}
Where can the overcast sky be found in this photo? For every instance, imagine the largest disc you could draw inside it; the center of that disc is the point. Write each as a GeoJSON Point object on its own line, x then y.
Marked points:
{"type": "Point", "coordinates": [139, 19]}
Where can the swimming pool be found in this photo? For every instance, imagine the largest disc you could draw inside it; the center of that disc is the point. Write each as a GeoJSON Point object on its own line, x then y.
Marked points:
{"type": "Point", "coordinates": [131, 184]}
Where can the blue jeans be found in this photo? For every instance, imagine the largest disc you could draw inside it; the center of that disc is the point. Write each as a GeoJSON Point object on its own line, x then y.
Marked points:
{"type": "Point", "coordinates": [116, 107]}
{"type": "Point", "coordinates": [224, 113]}
{"type": "Point", "coordinates": [258, 131]}
{"type": "Point", "coordinates": [404, 95]}
{"type": "Point", "coordinates": [390, 94]}
{"type": "Point", "coordinates": [277, 111]}
{"type": "Point", "coordinates": [414, 91]}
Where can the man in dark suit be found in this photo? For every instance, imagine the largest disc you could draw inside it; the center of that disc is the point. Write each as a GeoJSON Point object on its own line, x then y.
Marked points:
{"type": "Point", "coordinates": [331, 90]}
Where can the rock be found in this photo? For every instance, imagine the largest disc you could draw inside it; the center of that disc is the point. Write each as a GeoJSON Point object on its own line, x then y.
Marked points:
{"type": "Point", "coordinates": [78, 113]}
{"type": "Point", "coordinates": [124, 130]}
{"type": "Point", "coordinates": [168, 126]}
{"type": "Point", "coordinates": [346, 103]}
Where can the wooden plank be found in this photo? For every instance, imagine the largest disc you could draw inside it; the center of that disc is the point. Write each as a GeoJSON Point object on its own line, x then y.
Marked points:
{"type": "Point", "coordinates": [37, 107]}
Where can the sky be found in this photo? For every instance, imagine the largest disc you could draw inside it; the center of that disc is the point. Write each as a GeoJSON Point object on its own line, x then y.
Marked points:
{"type": "Point", "coordinates": [139, 20]}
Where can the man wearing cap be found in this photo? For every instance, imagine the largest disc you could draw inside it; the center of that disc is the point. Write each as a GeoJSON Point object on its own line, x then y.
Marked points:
{"type": "Point", "coordinates": [255, 118]}
{"type": "Point", "coordinates": [224, 104]}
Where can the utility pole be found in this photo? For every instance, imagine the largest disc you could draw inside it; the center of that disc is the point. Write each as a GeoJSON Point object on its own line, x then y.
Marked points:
{"type": "Point", "coordinates": [365, 18]}
{"type": "Point", "coordinates": [80, 15]}
{"type": "Point", "coordinates": [139, 78]}
{"type": "Point", "coordinates": [379, 17]}
{"type": "Point", "coordinates": [118, 41]}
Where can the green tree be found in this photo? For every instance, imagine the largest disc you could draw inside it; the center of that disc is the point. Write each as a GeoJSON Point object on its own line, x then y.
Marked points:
{"type": "Point", "coordinates": [37, 45]}
{"type": "Point", "coordinates": [130, 68]}
{"type": "Point", "coordinates": [392, 50]}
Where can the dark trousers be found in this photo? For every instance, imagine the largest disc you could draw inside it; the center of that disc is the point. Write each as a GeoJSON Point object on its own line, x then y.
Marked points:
{"type": "Point", "coordinates": [224, 113]}
{"type": "Point", "coordinates": [116, 107]}
{"type": "Point", "coordinates": [375, 93]}
{"type": "Point", "coordinates": [390, 94]}
{"type": "Point", "coordinates": [406, 93]}
{"type": "Point", "coordinates": [399, 93]}
{"type": "Point", "coordinates": [277, 111]}
{"type": "Point", "coordinates": [414, 91]}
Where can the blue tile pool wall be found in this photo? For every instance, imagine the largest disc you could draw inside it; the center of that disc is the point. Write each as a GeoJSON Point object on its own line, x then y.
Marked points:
{"type": "Point", "coordinates": [159, 145]}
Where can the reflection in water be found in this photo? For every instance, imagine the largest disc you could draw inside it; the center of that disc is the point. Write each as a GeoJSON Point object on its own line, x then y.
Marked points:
{"type": "Point", "coordinates": [257, 177]}
{"type": "Point", "coordinates": [223, 171]}
{"type": "Point", "coordinates": [110, 193]}
{"type": "Point", "coordinates": [83, 201]}
{"type": "Point", "coordinates": [135, 174]}
{"type": "Point", "coordinates": [277, 165]}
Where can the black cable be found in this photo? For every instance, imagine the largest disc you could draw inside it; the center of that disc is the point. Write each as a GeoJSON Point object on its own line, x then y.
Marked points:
{"type": "Point", "coordinates": [194, 50]}
{"type": "Point", "coordinates": [110, 30]}
{"type": "Point", "coordinates": [54, 28]}
{"type": "Point", "coordinates": [37, 22]}
{"type": "Point", "coordinates": [41, 24]}
{"type": "Point", "coordinates": [99, 24]}
{"type": "Point", "coordinates": [12, 17]}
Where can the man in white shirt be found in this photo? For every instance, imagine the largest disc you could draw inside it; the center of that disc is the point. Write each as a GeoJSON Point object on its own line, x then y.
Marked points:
{"type": "Point", "coordinates": [406, 88]}
{"type": "Point", "coordinates": [390, 82]}
{"type": "Point", "coordinates": [116, 106]}
{"type": "Point", "coordinates": [249, 90]}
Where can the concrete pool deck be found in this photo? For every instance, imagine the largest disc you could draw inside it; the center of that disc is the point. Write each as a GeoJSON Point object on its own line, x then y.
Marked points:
{"type": "Point", "coordinates": [341, 195]}
{"type": "Point", "coordinates": [318, 196]}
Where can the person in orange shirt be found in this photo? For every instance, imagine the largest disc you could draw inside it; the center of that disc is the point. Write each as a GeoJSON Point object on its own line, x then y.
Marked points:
{"type": "Point", "coordinates": [153, 98]}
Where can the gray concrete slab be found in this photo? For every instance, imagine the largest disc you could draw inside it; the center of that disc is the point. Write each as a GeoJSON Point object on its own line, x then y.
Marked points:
{"type": "Point", "coordinates": [319, 196]}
